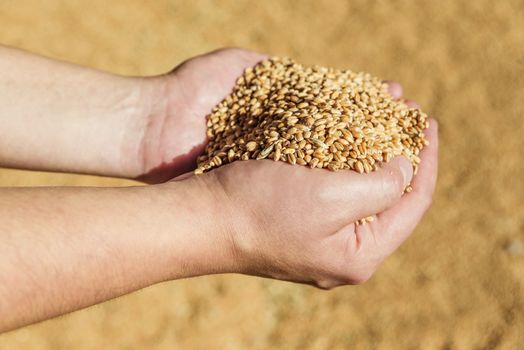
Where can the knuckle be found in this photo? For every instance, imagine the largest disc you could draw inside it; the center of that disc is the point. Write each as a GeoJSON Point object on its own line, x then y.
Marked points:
{"type": "Point", "coordinates": [325, 284]}
{"type": "Point", "coordinates": [360, 277]}
{"type": "Point", "coordinates": [237, 51]}
{"type": "Point", "coordinates": [230, 49]}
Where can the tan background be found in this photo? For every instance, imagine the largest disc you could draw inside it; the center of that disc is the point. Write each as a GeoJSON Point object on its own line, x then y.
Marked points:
{"type": "Point", "coordinates": [458, 283]}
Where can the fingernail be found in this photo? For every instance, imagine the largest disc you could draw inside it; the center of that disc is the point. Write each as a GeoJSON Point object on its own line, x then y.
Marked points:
{"type": "Point", "coordinates": [412, 104]}
{"type": "Point", "coordinates": [407, 170]}
{"type": "Point", "coordinates": [394, 88]}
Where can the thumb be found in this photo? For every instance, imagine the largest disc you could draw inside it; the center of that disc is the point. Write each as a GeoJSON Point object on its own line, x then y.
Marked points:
{"type": "Point", "coordinates": [369, 194]}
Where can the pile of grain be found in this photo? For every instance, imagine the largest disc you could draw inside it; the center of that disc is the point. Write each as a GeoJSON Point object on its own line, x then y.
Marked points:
{"type": "Point", "coordinates": [313, 116]}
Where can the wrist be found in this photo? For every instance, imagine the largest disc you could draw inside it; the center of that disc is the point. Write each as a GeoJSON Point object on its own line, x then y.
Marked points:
{"type": "Point", "coordinates": [170, 134]}
{"type": "Point", "coordinates": [193, 232]}
{"type": "Point", "coordinates": [146, 100]}
{"type": "Point", "coordinates": [60, 117]}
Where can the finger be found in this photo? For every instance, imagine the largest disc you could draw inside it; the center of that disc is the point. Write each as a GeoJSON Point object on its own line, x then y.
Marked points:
{"type": "Point", "coordinates": [394, 89]}
{"type": "Point", "coordinates": [367, 194]}
{"type": "Point", "coordinates": [412, 104]}
{"type": "Point", "coordinates": [394, 225]}
{"type": "Point", "coordinates": [246, 58]}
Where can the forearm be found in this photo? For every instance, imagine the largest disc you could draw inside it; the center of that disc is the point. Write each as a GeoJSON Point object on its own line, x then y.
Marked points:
{"type": "Point", "coordinates": [60, 117]}
{"type": "Point", "coordinates": [62, 249]}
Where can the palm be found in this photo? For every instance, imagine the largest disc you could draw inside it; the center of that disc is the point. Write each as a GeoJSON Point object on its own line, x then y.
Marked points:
{"type": "Point", "coordinates": [177, 136]}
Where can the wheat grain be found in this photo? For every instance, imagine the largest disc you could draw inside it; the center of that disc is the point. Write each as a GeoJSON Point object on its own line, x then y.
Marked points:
{"type": "Point", "coordinates": [312, 116]}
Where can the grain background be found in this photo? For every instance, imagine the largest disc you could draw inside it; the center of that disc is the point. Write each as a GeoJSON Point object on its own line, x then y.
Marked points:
{"type": "Point", "coordinates": [457, 283]}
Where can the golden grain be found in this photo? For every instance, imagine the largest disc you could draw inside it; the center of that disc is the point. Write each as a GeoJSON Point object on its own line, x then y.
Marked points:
{"type": "Point", "coordinates": [251, 146]}
{"type": "Point", "coordinates": [313, 116]}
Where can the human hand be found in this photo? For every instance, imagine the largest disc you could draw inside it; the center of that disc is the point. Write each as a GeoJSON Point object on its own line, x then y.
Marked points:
{"type": "Point", "coordinates": [294, 223]}
{"type": "Point", "coordinates": [270, 212]}
{"type": "Point", "coordinates": [175, 131]}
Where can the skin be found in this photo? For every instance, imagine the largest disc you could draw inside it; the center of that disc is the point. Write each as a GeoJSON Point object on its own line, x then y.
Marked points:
{"type": "Point", "coordinates": [62, 249]}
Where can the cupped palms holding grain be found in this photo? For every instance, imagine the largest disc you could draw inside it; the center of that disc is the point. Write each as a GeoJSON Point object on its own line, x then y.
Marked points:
{"type": "Point", "coordinates": [286, 222]}
{"type": "Point", "coordinates": [294, 223]}
{"type": "Point", "coordinates": [176, 133]}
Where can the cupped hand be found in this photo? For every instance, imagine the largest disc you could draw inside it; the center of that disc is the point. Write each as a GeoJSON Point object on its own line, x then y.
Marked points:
{"type": "Point", "coordinates": [297, 224]}
{"type": "Point", "coordinates": [281, 221]}
{"type": "Point", "coordinates": [175, 130]}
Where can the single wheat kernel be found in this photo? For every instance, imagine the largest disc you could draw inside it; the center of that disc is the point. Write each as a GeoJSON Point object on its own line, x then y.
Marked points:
{"type": "Point", "coordinates": [359, 166]}
{"type": "Point", "coordinates": [251, 146]}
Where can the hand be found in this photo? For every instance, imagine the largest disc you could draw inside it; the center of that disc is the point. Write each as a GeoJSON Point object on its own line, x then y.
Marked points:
{"type": "Point", "coordinates": [286, 222]}
{"type": "Point", "coordinates": [293, 223]}
{"type": "Point", "coordinates": [174, 132]}
{"type": "Point", "coordinates": [176, 129]}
